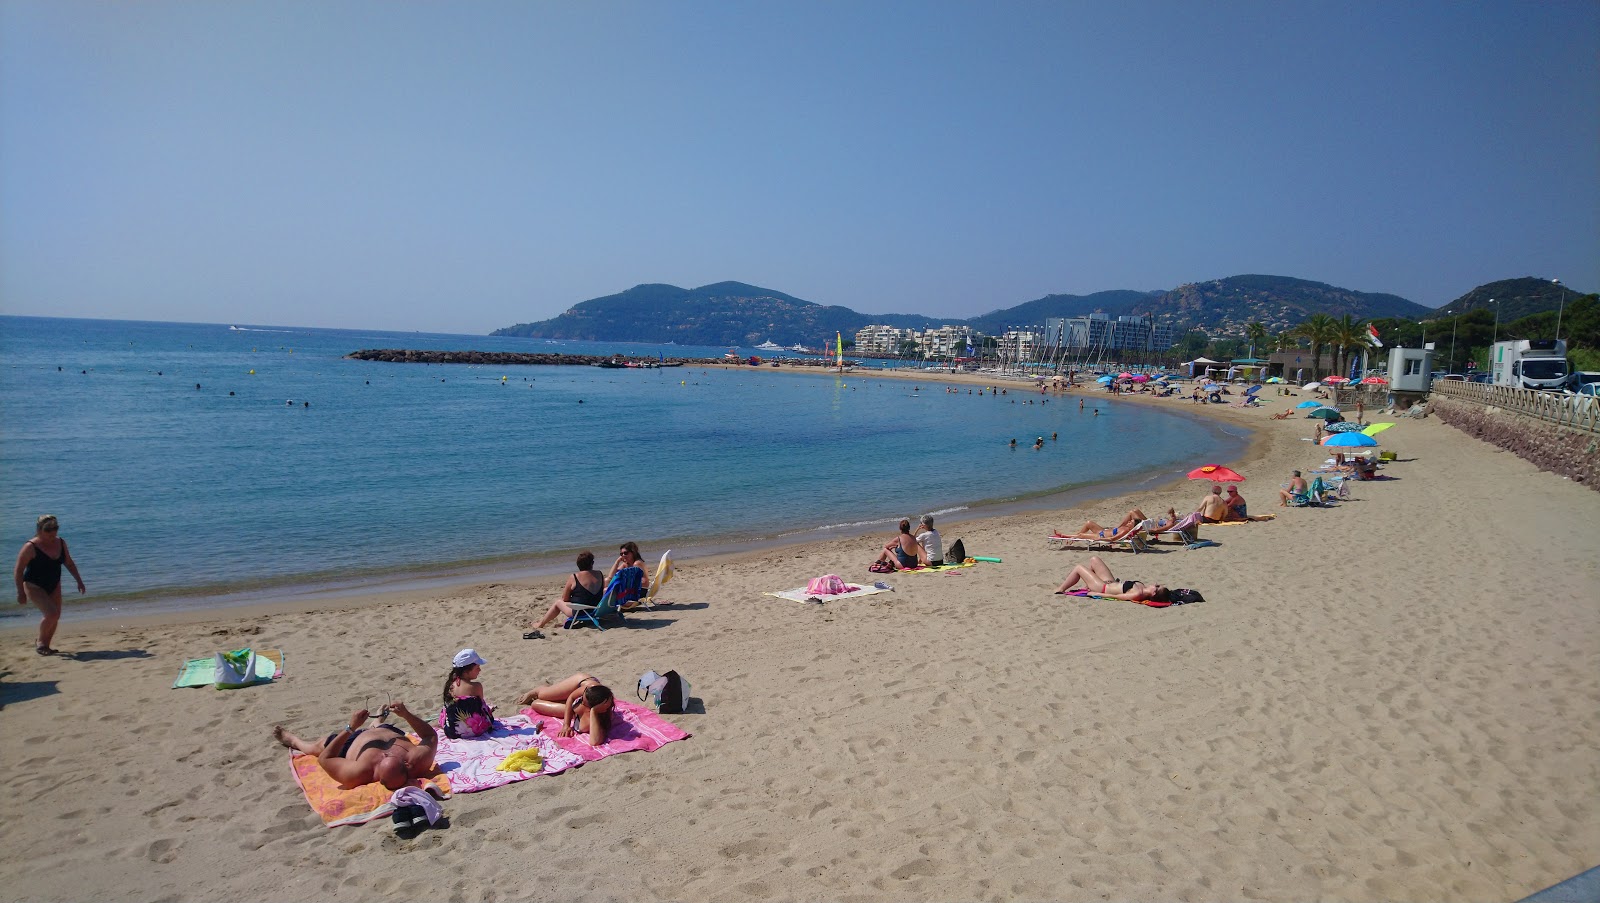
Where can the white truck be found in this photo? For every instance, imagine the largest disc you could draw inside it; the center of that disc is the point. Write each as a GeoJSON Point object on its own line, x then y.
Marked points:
{"type": "Point", "coordinates": [1529, 364]}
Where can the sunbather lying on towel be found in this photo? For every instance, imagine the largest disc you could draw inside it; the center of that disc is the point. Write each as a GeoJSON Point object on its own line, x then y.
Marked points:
{"type": "Point", "coordinates": [1097, 578]}
{"type": "Point", "coordinates": [355, 755]}
{"type": "Point", "coordinates": [581, 702]}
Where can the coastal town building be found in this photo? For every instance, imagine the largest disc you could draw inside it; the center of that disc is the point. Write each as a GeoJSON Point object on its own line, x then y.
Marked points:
{"type": "Point", "coordinates": [1101, 330]}
{"type": "Point", "coordinates": [948, 341]}
{"type": "Point", "coordinates": [877, 339]}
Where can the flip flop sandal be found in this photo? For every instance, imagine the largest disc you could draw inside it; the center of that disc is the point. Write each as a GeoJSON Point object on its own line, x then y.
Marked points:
{"type": "Point", "coordinates": [533, 635]}
{"type": "Point", "coordinates": [43, 650]}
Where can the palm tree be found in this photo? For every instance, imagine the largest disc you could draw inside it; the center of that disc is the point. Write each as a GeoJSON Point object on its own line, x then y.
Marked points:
{"type": "Point", "coordinates": [1318, 330]}
{"type": "Point", "coordinates": [1286, 341]}
{"type": "Point", "coordinates": [1257, 334]}
{"type": "Point", "coordinates": [1349, 336]}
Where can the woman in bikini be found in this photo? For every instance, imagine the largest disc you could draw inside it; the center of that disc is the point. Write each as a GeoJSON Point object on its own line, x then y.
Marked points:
{"type": "Point", "coordinates": [38, 575]}
{"type": "Point", "coordinates": [1098, 579]}
{"type": "Point", "coordinates": [584, 587]}
{"type": "Point", "coordinates": [1092, 530]}
{"type": "Point", "coordinates": [583, 704]}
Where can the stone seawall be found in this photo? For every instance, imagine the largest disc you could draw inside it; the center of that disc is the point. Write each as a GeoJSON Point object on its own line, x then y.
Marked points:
{"type": "Point", "coordinates": [1571, 453]}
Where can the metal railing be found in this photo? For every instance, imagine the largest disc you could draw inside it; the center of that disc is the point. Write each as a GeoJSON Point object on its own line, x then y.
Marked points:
{"type": "Point", "coordinates": [1572, 411]}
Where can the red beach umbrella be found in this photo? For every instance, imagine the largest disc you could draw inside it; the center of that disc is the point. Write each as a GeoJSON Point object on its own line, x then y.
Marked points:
{"type": "Point", "coordinates": [1334, 379]}
{"type": "Point", "coordinates": [1374, 381]}
{"type": "Point", "coordinates": [1216, 473]}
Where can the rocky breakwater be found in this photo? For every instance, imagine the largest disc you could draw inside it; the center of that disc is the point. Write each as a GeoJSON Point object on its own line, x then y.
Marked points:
{"type": "Point", "coordinates": [507, 358]}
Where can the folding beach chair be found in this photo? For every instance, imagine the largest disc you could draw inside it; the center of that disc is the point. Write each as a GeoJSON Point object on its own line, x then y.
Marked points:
{"type": "Point", "coordinates": [1133, 542]}
{"type": "Point", "coordinates": [663, 574]}
{"type": "Point", "coordinates": [1186, 529]}
{"type": "Point", "coordinates": [608, 606]}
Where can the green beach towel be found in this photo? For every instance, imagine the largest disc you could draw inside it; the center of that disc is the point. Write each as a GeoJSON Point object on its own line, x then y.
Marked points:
{"type": "Point", "coordinates": [202, 672]}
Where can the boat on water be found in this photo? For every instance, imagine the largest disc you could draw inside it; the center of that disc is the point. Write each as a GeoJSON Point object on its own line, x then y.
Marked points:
{"type": "Point", "coordinates": [797, 347]}
{"type": "Point", "coordinates": [769, 345]}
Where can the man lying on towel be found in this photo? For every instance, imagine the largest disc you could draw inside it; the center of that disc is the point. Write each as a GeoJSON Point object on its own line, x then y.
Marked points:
{"type": "Point", "coordinates": [355, 755]}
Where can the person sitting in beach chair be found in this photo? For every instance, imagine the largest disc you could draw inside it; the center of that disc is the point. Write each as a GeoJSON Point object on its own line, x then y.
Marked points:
{"type": "Point", "coordinates": [628, 557]}
{"type": "Point", "coordinates": [357, 755]}
{"type": "Point", "coordinates": [583, 704]}
{"type": "Point", "coordinates": [585, 587]}
{"type": "Point", "coordinates": [1092, 530]}
{"type": "Point", "coordinates": [1097, 578]}
{"type": "Point", "coordinates": [1297, 493]}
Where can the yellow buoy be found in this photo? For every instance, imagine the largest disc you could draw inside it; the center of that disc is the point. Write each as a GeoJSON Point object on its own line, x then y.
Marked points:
{"type": "Point", "coordinates": [252, 373]}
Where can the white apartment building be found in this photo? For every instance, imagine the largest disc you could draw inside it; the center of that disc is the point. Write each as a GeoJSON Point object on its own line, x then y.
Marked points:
{"type": "Point", "coordinates": [1020, 344]}
{"type": "Point", "coordinates": [948, 341]}
{"type": "Point", "coordinates": [876, 339]}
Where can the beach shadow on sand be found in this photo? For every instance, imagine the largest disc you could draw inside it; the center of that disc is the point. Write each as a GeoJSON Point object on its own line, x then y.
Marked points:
{"type": "Point", "coordinates": [105, 655]}
{"type": "Point", "coordinates": [22, 692]}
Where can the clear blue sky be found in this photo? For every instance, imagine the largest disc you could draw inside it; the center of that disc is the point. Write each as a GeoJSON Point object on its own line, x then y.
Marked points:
{"type": "Point", "coordinates": [463, 166]}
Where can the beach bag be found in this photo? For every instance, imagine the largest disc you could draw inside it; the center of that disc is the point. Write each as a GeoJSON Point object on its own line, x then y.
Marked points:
{"type": "Point", "coordinates": [881, 567]}
{"type": "Point", "coordinates": [466, 718]}
{"type": "Point", "coordinates": [956, 554]}
{"type": "Point", "coordinates": [1184, 596]}
{"type": "Point", "coordinates": [236, 669]}
{"type": "Point", "coordinates": [826, 585]}
{"type": "Point", "coordinates": [669, 692]}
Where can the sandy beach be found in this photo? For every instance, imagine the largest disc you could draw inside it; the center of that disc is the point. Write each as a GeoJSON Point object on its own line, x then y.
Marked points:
{"type": "Point", "coordinates": [1394, 699]}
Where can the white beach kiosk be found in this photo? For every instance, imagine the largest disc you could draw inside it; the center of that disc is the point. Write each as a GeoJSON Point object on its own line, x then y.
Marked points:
{"type": "Point", "coordinates": [1204, 363]}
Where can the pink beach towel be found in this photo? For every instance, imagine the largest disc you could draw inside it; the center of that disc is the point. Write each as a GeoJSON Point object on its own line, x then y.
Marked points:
{"type": "Point", "coordinates": [633, 727]}
{"type": "Point", "coordinates": [470, 764]}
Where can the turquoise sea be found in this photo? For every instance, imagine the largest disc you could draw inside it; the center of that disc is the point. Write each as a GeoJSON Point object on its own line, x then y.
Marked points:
{"type": "Point", "coordinates": [168, 490]}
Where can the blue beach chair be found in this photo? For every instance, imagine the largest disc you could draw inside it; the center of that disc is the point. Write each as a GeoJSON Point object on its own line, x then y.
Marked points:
{"type": "Point", "coordinates": [624, 586]}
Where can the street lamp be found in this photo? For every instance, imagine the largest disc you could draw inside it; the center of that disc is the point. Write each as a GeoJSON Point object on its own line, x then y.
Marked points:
{"type": "Point", "coordinates": [1496, 325]}
{"type": "Point", "coordinates": [1452, 367]}
{"type": "Point", "coordinates": [1562, 306]}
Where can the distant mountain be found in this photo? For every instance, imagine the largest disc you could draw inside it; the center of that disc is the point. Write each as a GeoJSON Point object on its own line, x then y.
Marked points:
{"type": "Point", "coordinates": [724, 313]}
{"type": "Point", "coordinates": [1516, 298]}
{"type": "Point", "coordinates": [1035, 312]}
{"type": "Point", "coordinates": [1222, 307]}
{"type": "Point", "coordinates": [734, 313]}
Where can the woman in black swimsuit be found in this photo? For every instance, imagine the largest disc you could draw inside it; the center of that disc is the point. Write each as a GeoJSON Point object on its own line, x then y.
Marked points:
{"type": "Point", "coordinates": [1097, 578]}
{"type": "Point", "coordinates": [583, 588]}
{"type": "Point", "coordinates": [38, 575]}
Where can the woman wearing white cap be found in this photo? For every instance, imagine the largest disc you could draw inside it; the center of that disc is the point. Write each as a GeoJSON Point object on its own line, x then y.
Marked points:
{"type": "Point", "coordinates": [466, 713]}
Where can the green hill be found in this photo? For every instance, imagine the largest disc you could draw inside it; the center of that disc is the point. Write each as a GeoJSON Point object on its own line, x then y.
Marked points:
{"type": "Point", "coordinates": [734, 313]}
{"type": "Point", "coordinates": [1516, 298]}
{"type": "Point", "coordinates": [724, 313]}
{"type": "Point", "coordinates": [1222, 307]}
{"type": "Point", "coordinates": [1035, 312]}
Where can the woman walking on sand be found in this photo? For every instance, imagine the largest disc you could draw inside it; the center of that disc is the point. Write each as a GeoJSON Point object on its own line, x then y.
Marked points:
{"type": "Point", "coordinates": [38, 575]}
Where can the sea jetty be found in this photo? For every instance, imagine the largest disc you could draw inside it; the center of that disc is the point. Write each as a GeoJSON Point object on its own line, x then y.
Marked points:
{"type": "Point", "coordinates": [507, 358]}
{"type": "Point", "coordinates": [552, 359]}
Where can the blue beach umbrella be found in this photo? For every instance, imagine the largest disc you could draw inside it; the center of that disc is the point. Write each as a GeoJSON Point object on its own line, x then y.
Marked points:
{"type": "Point", "coordinates": [1350, 440]}
{"type": "Point", "coordinates": [1105, 379]}
{"type": "Point", "coordinates": [1252, 390]}
{"type": "Point", "coordinates": [1343, 427]}
{"type": "Point", "coordinates": [1308, 404]}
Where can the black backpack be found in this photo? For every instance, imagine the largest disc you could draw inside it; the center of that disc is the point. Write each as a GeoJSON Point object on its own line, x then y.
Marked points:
{"type": "Point", "coordinates": [956, 554]}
